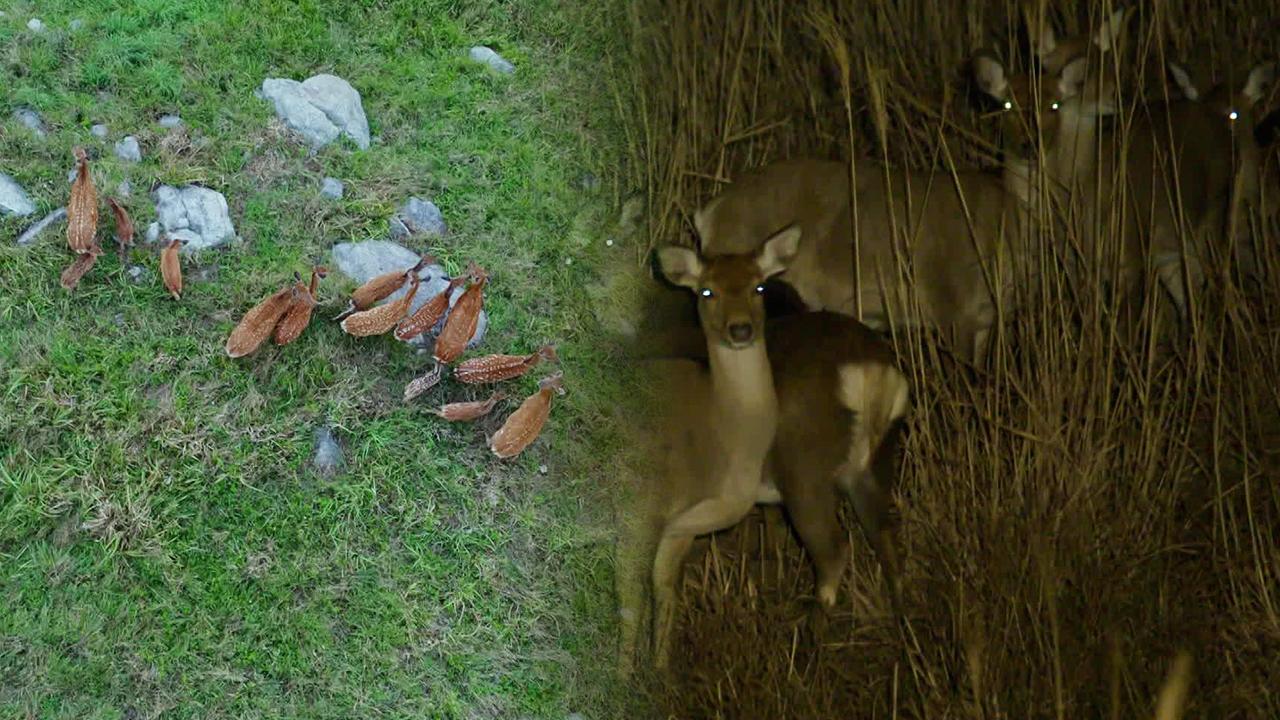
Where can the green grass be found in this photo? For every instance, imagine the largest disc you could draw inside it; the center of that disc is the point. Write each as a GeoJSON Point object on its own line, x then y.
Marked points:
{"type": "Point", "coordinates": [165, 545]}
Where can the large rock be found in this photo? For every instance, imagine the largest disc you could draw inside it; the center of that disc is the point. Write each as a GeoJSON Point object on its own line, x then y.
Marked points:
{"type": "Point", "coordinates": [322, 107]}
{"type": "Point", "coordinates": [13, 199]}
{"type": "Point", "coordinates": [367, 260]}
{"type": "Point", "coordinates": [195, 214]}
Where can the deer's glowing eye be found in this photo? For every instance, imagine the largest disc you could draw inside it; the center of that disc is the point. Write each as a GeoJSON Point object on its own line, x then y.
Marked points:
{"type": "Point", "coordinates": [1054, 107]}
{"type": "Point", "coordinates": [1008, 105]}
{"type": "Point", "coordinates": [705, 292]}
{"type": "Point", "coordinates": [1233, 115]}
{"type": "Point", "coordinates": [760, 289]}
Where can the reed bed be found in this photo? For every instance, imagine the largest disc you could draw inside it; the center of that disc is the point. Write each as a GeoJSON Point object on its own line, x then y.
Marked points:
{"type": "Point", "coordinates": [1074, 516]}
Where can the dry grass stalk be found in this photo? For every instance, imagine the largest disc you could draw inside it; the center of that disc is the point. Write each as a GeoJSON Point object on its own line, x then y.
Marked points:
{"type": "Point", "coordinates": [429, 314]}
{"type": "Point", "coordinates": [380, 287]}
{"type": "Point", "coordinates": [462, 321]}
{"type": "Point", "coordinates": [382, 318]}
{"type": "Point", "coordinates": [76, 270]}
{"type": "Point", "coordinates": [171, 267]}
{"type": "Point", "coordinates": [82, 210]}
{"type": "Point", "coordinates": [298, 316]}
{"type": "Point", "coordinates": [124, 226]}
{"type": "Point", "coordinates": [462, 411]}
{"type": "Point", "coordinates": [496, 368]}
{"type": "Point", "coordinates": [525, 424]}
{"type": "Point", "coordinates": [419, 385]}
{"type": "Point", "coordinates": [257, 324]}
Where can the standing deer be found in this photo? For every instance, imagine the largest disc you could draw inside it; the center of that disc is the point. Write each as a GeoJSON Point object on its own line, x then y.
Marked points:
{"type": "Point", "coordinates": [794, 412]}
{"type": "Point", "coordinates": [961, 228]}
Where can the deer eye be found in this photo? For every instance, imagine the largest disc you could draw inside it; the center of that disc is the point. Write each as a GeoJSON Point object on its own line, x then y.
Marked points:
{"type": "Point", "coordinates": [1233, 115]}
{"type": "Point", "coordinates": [760, 289]}
{"type": "Point", "coordinates": [705, 292]}
{"type": "Point", "coordinates": [1008, 105]}
{"type": "Point", "coordinates": [1054, 107]}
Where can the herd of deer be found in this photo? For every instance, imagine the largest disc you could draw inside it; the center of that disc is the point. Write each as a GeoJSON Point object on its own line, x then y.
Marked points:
{"type": "Point", "coordinates": [797, 410]}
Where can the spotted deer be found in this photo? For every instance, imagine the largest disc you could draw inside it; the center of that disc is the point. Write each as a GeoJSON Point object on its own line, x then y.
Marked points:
{"type": "Point", "coordinates": [792, 412]}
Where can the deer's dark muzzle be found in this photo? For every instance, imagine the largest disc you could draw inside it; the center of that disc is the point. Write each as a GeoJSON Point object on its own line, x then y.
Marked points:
{"type": "Point", "coordinates": [741, 333]}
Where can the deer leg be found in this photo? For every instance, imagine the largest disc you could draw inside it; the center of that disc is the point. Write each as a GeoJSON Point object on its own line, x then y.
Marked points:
{"type": "Point", "coordinates": [667, 564]}
{"type": "Point", "coordinates": [813, 508]}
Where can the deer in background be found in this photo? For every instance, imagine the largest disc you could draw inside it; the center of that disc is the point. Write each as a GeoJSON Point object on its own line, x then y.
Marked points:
{"type": "Point", "coordinates": [1171, 166]}
{"type": "Point", "coordinates": [961, 228]}
{"type": "Point", "coordinates": [792, 413]}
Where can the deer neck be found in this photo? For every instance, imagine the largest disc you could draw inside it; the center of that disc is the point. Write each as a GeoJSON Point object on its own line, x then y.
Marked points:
{"type": "Point", "coordinates": [742, 381]}
{"type": "Point", "coordinates": [1069, 162]}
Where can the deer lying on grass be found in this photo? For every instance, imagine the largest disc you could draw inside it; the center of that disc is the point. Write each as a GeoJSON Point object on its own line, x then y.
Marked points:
{"type": "Point", "coordinates": [961, 228]}
{"type": "Point", "coordinates": [793, 413]}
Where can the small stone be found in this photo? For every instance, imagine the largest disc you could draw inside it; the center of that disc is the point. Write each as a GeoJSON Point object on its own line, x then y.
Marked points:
{"type": "Point", "coordinates": [328, 456]}
{"type": "Point", "coordinates": [398, 228]}
{"type": "Point", "coordinates": [486, 55]}
{"type": "Point", "coordinates": [128, 150]}
{"type": "Point", "coordinates": [608, 243]}
{"type": "Point", "coordinates": [568, 261]}
{"type": "Point", "coordinates": [153, 232]}
{"type": "Point", "coordinates": [139, 275]}
{"type": "Point", "coordinates": [590, 182]}
{"type": "Point", "coordinates": [31, 119]}
{"type": "Point", "coordinates": [35, 25]}
{"type": "Point", "coordinates": [170, 121]}
{"type": "Point", "coordinates": [331, 188]}
{"type": "Point", "coordinates": [77, 24]}
{"type": "Point", "coordinates": [424, 216]}
{"type": "Point", "coordinates": [99, 131]}
{"type": "Point", "coordinates": [543, 468]}
{"type": "Point", "coordinates": [124, 189]}
{"type": "Point", "coordinates": [71, 175]}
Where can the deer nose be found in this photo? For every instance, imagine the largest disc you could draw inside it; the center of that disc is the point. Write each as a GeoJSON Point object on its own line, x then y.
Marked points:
{"type": "Point", "coordinates": [740, 332]}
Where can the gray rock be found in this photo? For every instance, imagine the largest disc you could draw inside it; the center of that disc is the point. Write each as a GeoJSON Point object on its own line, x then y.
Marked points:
{"type": "Point", "coordinates": [77, 24]}
{"type": "Point", "coordinates": [139, 275]}
{"type": "Point", "coordinates": [202, 212]}
{"type": "Point", "coordinates": [124, 189]}
{"type": "Point", "coordinates": [29, 236]}
{"type": "Point", "coordinates": [127, 149]}
{"type": "Point", "coordinates": [99, 131]}
{"type": "Point", "coordinates": [71, 175]}
{"type": "Point", "coordinates": [13, 199]}
{"type": "Point", "coordinates": [31, 119]}
{"type": "Point", "coordinates": [482, 54]}
{"type": "Point", "coordinates": [169, 121]}
{"type": "Point", "coordinates": [322, 107]}
{"type": "Point", "coordinates": [397, 227]}
{"type": "Point", "coordinates": [332, 188]}
{"type": "Point", "coordinates": [153, 232]}
{"type": "Point", "coordinates": [35, 25]}
{"type": "Point", "coordinates": [590, 182]}
{"type": "Point", "coordinates": [364, 261]}
{"type": "Point", "coordinates": [424, 216]}
{"type": "Point", "coordinates": [328, 454]}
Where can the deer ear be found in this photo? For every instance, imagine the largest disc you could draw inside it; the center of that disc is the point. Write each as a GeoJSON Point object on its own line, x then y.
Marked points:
{"type": "Point", "coordinates": [989, 73]}
{"type": "Point", "coordinates": [702, 218]}
{"type": "Point", "coordinates": [681, 265]}
{"type": "Point", "coordinates": [1259, 78]}
{"type": "Point", "coordinates": [778, 251]}
{"type": "Point", "coordinates": [1109, 33]}
{"type": "Point", "coordinates": [1183, 78]}
{"type": "Point", "coordinates": [1071, 79]}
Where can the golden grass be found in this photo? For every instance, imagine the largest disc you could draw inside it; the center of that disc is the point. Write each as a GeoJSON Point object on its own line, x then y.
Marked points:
{"type": "Point", "coordinates": [1072, 519]}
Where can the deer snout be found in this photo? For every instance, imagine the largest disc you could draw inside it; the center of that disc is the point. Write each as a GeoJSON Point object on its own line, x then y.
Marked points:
{"type": "Point", "coordinates": [741, 333]}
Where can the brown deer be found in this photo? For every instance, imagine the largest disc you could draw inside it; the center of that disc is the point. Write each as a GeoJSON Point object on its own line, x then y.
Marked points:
{"type": "Point", "coordinates": [1165, 167]}
{"type": "Point", "coordinates": [794, 412]}
{"type": "Point", "coordinates": [960, 228]}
